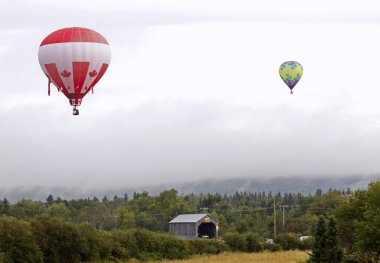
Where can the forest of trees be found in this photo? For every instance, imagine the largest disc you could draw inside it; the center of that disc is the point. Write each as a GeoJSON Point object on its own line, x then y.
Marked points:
{"type": "Point", "coordinates": [124, 227]}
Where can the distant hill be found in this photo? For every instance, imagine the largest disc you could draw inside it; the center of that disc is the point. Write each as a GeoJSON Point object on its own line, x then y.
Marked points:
{"type": "Point", "coordinates": [281, 184]}
{"type": "Point", "coordinates": [223, 186]}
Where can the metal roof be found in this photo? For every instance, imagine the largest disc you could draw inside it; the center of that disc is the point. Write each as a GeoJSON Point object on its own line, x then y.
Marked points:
{"type": "Point", "coordinates": [189, 218]}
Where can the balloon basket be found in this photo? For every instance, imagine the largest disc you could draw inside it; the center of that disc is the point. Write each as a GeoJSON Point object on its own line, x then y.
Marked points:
{"type": "Point", "coordinates": [75, 111]}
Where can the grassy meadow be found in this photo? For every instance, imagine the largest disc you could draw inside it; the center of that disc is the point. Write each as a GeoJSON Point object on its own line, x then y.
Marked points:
{"type": "Point", "coordinates": [262, 257]}
{"type": "Point", "coordinates": [293, 256]}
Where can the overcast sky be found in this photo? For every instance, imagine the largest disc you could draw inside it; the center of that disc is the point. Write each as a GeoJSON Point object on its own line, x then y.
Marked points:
{"type": "Point", "coordinates": [193, 91]}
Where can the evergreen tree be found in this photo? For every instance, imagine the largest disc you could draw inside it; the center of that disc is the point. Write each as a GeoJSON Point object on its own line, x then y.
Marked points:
{"type": "Point", "coordinates": [4, 207]}
{"type": "Point", "coordinates": [50, 199]}
{"type": "Point", "coordinates": [318, 192]}
{"type": "Point", "coordinates": [319, 247]}
{"type": "Point", "coordinates": [325, 248]}
{"type": "Point", "coordinates": [333, 252]}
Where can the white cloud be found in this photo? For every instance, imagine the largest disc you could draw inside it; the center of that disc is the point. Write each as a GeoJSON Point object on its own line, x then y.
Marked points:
{"type": "Point", "coordinates": [170, 140]}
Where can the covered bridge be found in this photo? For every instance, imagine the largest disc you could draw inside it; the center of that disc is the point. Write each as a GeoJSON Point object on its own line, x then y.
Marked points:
{"type": "Point", "coordinates": [191, 226]}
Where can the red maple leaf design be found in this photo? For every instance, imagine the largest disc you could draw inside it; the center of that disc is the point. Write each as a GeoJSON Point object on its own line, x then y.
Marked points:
{"type": "Point", "coordinates": [93, 73]}
{"type": "Point", "coordinates": [65, 74]}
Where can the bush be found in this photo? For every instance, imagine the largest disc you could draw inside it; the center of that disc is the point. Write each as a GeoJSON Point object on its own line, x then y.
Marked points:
{"type": "Point", "coordinates": [288, 241]}
{"type": "Point", "coordinates": [99, 245]}
{"type": "Point", "coordinates": [307, 244]}
{"type": "Point", "coordinates": [3, 258]}
{"type": "Point", "coordinates": [145, 245]}
{"type": "Point", "coordinates": [148, 245]}
{"type": "Point", "coordinates": [17, 242]}
{"type": "Point", "coordinates": [59, 241]}
{"type": "Point", "coordinates": [207, 246]}
{"type": "Point", "coordinates": [272, 247]}
{"type": "Point", "coordinates": [244, 243]}
{"type": "Point", "coordinates": [54, 240]}
{"type": "Point", "coordinates": [127, 241]}
{"type": "Point", "coordinates": [253, 243]}
{"type": "Point", "coordinates": [172, 247]}
{"type": "Point", "coordinates": [236, 242]}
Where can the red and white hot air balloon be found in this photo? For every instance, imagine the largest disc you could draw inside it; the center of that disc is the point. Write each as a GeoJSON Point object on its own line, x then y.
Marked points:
{"type": "Point", "coordinates": [74, 59]}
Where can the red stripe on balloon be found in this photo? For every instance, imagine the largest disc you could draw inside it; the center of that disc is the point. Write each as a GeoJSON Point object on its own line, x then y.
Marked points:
{"type": "Point", "coordinates": [74, 34]}
{"type": "Point", "coordinates": [80, 70]}
{"type": "Point", "coordinates": [103, 70]}
{"type": "Point", "coordinates": [54, 76]}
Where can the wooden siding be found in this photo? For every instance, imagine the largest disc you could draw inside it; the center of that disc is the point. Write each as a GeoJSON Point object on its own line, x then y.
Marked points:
{"type": "Point", "coordinates": [184, 230]}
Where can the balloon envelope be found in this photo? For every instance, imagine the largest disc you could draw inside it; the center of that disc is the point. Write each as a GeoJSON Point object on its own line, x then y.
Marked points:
{"type": "Point", "coordinates": [74, 60]}
{"type": "Point", "coordinates": [291, 72]}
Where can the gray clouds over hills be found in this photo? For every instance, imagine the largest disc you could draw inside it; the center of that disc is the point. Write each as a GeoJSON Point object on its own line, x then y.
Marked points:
{"type": "Point", "coordinates": [167, 142]}
{"type": "Point", "coordinates": [222, 186]}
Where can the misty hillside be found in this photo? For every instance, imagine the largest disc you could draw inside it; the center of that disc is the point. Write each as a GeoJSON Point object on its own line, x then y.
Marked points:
{"type": "Point", "coordinates": [292, 185]}
{"type": "Point", "coordinates": [222, 186]}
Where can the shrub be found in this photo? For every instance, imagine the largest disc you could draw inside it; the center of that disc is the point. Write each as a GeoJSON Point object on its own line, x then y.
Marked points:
{"type": "Point", "coordinates": [236, 242]}
{"type": "Point", "coordinates": [59, 241]}
{"type": "Point", "coordinates": [145, 245]}
{"type": "Point", "coordinates": [17, 243]}
{"type": "Point", "coordinates": [99, 245]}
{"type": "Point", "coordinates": [253, 243]}
{"type": "Point", "coordinates": [307, 244]}
{"type": "Point", "coordinates": [272, 247]}
{"type": "Point", "coordinates": [148, 245]}
{"type": "Point", "coordinates": [172, 247]}
{"type": "Point", "coordinates": [289, 241]}
{"type": "Point", "coordinates": [207, 246]}
{"type": "Point", "coordinates": [127, 241]}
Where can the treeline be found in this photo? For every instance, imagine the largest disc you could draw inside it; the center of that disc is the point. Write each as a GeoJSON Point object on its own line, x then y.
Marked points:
{"type": "Point", "coordinates": [48, 239]}
{"type": "Point", "coordinates": [246, 221]}
{"type": "Point", "coordinates": [241, 212]}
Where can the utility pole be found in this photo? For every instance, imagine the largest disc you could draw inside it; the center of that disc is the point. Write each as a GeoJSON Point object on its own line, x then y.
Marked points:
{"type": "Point", "coordinates": [274, 218]}
{"type": "Point", "coordinates": [283, 218]}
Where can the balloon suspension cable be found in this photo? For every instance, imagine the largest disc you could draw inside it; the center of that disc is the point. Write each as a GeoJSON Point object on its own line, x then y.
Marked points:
{"type": "Point", "coordinates": [49, 86]}
{"type": "Point", "coordinates": [92, 90]}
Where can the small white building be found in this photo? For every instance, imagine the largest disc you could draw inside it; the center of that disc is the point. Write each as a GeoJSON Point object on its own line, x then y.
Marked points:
{"type": "Point", "coordinates": [303, 238]}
